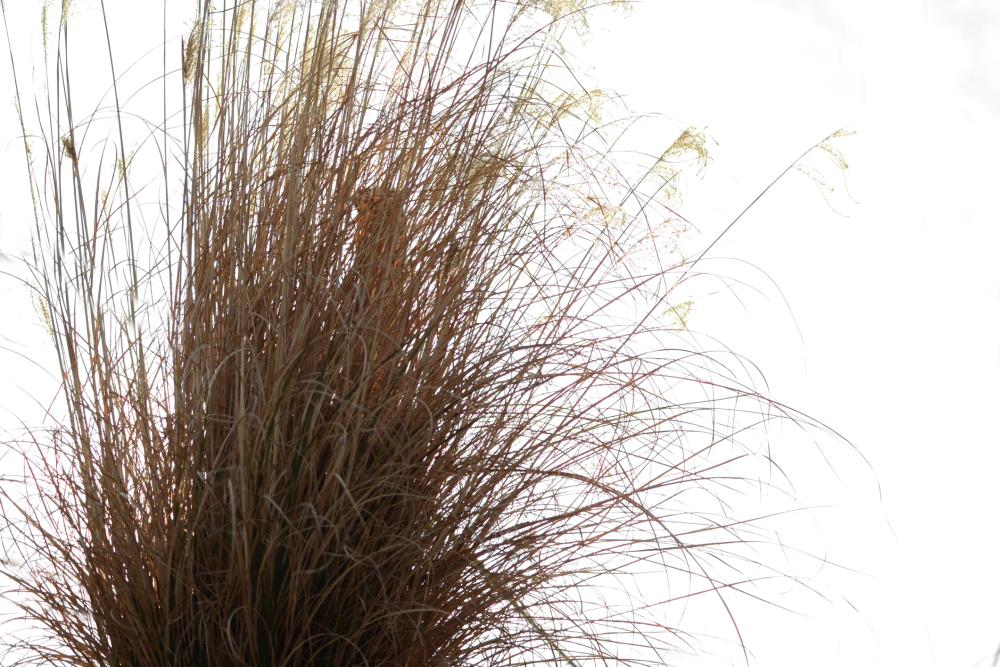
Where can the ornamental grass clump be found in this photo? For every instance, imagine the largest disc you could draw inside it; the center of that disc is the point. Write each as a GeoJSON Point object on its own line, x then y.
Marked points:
{"type": "Point", "coordinates": [383, 379]}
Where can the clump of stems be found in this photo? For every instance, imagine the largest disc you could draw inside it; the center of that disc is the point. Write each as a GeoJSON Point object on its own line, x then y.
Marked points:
{"type": "Point", "coordinates": [389, 391]}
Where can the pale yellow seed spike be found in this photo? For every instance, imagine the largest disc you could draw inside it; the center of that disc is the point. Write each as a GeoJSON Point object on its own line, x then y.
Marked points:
{"type": "Point", "coordinates": [575, 10]}
{"type": "Point", "coordinates": [191, 48]}
{"type": "Point", "coordinates": [241, 16]}
{"type": "Point", "coordinates": [669, 165]}
{"type": "Point", "coordinates": [595, 103]}
{"type": "Point", "coordinates": [835, 155]}
{"type": "Point", "coordinates": [681, 313]}
{"type": "Point", "coordinates": [45, 27]}
{"type": "Point", "coordinates": [43, 309]}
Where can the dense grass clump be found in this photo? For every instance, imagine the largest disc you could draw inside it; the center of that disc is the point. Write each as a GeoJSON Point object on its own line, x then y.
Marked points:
{"type": "Point", "coordinates": [392, 390]}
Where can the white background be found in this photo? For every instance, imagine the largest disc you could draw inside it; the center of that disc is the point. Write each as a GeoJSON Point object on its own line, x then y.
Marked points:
{"type": "Point", "coordinates": [898, 304]}
{"type": "Point", "coordinates": [883, 317]}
